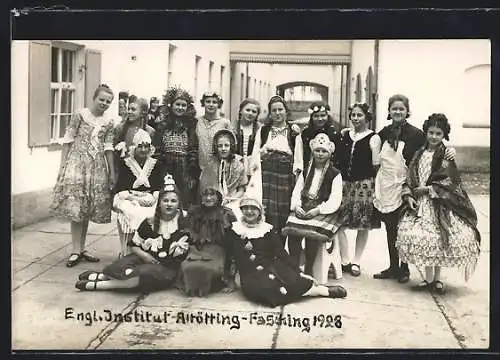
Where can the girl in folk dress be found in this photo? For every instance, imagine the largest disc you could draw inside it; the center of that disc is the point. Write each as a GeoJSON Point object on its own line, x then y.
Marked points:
{"type": "Point", "coordinates": [277, 160]}
{"type": "Point", "coordinates": [439, 228]}
{"type": "Point", "coordinates": [207, 126]}
{"type": "Point", "coordinates": [177, 144]}
{"type": "Point", "coordinates": [358, 158]}
{"type": "Point", "coordinates": [158, 248]}
{"type": "Point", "coordinates": [231, 175]}
{"type": "Point", "coordinates": [400, 140]}
{"type": "Point", "coordinates": [268, 275]}
{"type": "Point", "coordinates": [87, 173]}
{"type": "Point", "coordinates": [246, 129]}
{"type": "Point", "coordinates": [137, 189]}
{"type": "Point", "coordinates": [315, 201]}
{"type": "Point", "coordinates": [203, 271]}
{"type": "Point", "coordinates": [320, 121]}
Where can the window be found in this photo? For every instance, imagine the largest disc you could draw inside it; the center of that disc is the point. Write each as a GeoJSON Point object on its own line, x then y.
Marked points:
{"type": "Point", "coordinates": [171, 60]}
{"type": "Point", "coordinates": [242, 87]}
{"type": "Point", "coordinates": [210, 75]}
{"type": "Point", "coordinates": [62, 78]}
{"type": "Point", "coordinates": [358, 92]}
{"type": "Point", "coordinates": [197, 61]}
{"type": "Point", "coordinates": [62, 90]}
{"type": "Point", "coordinates": [221, 81]}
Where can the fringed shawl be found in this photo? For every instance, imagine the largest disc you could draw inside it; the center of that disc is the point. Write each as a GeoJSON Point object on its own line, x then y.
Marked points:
{"type": "Point", "coordinates": [447, 185]}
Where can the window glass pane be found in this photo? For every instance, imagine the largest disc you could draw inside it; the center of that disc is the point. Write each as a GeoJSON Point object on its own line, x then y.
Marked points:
{"type": "Point", "coordinates": [55, 51]}
{"type": "Point", "coordinates": [64, 121]}
{"type": "Point", "coordinates": [67, 66]}
{"type": "Point", "coordinates": [53, 102]}
{"type": "Point", "coordinates": [53, 119]}
{"type": "Point", "coordinates": [67, 101]}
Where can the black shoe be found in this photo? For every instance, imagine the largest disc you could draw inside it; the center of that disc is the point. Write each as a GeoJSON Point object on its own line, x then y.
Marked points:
{"type": "Point", "coordinates": [337, 291]}
{"type": "Point", "coordinates": [386, 274]}
{"type": "Point", "coordinates": [346, 268]}
{"type": "Point", "coordinates": [404, 277]}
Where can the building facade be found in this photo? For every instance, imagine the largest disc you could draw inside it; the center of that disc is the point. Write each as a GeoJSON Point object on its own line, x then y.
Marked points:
{"type": "Point", "coordinates": [52, 79]}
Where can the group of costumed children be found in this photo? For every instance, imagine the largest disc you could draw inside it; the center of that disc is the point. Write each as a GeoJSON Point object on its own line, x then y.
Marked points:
{"type": "Point", "coordinates": [249, 190]}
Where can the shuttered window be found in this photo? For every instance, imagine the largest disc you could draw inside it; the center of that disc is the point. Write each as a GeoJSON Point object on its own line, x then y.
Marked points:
{"type": "Point", "coordinates": [57, 87]}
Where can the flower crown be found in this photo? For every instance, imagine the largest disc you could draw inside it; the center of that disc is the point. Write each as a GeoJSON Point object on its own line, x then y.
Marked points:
{"type": "Point", "coordinates": [176, 92]}
{"type": "Point", "coordinates": [318, 108]}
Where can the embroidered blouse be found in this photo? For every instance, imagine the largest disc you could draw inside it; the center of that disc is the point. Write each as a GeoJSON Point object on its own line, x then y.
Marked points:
{"type": "Point", "coordinates": [277, 141]}
{"type": "Point", "coordinates": [327, 207]}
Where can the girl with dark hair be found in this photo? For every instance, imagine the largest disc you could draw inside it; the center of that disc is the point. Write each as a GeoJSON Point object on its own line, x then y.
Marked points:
{"type": "Point", "coordinates": [320, 121]}
{"type": "Point", "coordinates": [203, 271]}
{"type": "Point", "coordinates": [154, 112]}
{"type": "Point", "coordinates": [276, 162]}
{"type": "Point", "coordinates": [177, 144]}
{"type": "Point", "coordinates": [400, 140]}
{"type": "Point", "coordinates": [439, 223]}
{"type": "Point", "coordinates": [87, 176]}
{"type": "Point", "coordinates": [207, 125]}
{"type": "Point", "coordinates": [358, 159]}
{"type": "Point", "coordinates": [246, 129]}
{"type": "Point", "coordinates": [231, 173]}
{"type": "Point", "coordinates": [139, 181]}
{"type": "Point", "coordinates": [157, 250]}
{"type": "Point", "coordinates": [122, 104]}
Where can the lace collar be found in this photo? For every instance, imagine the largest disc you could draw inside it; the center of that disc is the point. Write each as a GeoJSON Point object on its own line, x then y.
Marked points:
{"type": "Point", "coordinates": [246, 232]}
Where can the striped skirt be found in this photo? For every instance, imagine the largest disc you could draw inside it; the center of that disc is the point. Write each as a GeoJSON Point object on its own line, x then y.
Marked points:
{"type": "Point", "coordinates": [322, 227]}
{"type": "Point", "coordinates": [278, 181]}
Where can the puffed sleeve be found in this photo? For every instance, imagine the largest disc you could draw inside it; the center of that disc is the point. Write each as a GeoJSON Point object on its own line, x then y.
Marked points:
{"type": "Point", "coordinates": [333, 203]}
{"type": "Point", "coordinates": [296, 194]}
{"type": "Point", "coordinates": [71, 129]}
{"type": "Point", "coordinates": [109, 137]}
{"type": "Point", "coordinates": [375, 146]}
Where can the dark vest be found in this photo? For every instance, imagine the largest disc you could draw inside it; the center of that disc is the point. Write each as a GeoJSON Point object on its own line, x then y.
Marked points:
{"type": "Point", "coordinates": [264, 134]}
{"type": "Point", "coordinates": [251, 141]}
{"type": "Point", "coordinates": [325, 188]}
{"type": "Point", "coordinates": [359, 166]}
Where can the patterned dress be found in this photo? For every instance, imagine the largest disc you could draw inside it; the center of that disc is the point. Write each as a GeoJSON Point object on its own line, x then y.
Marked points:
{"type": "Point", "coordinates": [356, 155]}
{"type": "Point", "coordinates": [420, 239]}
{"type": "Point", "coordinates": [82, 188]}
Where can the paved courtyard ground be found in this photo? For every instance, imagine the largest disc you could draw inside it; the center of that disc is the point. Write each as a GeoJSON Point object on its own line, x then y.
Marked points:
{"type": "Point", "coordinates": [377, 314]}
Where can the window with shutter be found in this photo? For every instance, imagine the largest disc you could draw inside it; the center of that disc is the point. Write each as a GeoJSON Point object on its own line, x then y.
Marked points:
{"type": "Point", "coordinates": [39, 93]}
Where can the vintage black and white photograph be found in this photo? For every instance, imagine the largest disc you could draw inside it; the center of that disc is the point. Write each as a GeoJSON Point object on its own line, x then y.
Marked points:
{"type": "Point", "coordinates": [250, 194]}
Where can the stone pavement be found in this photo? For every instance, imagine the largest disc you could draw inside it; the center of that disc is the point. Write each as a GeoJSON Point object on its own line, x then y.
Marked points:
{"type": "Point", "coordinates": [377, 314]}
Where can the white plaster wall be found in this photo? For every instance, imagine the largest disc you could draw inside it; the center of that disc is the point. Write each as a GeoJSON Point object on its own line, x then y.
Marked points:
{"type": "Point", "coordinates": [36, 168]}
{"type": "Point", "coordinates": [32, 168]}
{"type": "Point", "coordinates": [432, 74]}
{"type": "Point", "coordinates": [362, 58]}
